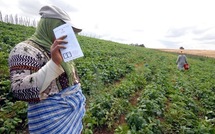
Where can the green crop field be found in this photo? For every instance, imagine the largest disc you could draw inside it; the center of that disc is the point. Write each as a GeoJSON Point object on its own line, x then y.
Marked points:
{"type": "Point", "coordinates": [129, 89]}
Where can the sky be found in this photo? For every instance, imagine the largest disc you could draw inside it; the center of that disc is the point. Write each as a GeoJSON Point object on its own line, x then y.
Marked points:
{"type": "Point", "coordinates": [168, 24]}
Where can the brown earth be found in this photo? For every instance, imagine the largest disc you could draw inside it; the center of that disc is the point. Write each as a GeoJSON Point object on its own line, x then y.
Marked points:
{"type": "Point", "coordinates": [206, 53]}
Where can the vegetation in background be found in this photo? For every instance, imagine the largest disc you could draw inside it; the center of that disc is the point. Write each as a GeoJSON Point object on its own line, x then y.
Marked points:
{"type": "Point", "coordinates": [129, 89]}
{"type": "Point", "coordinates": [15, 19]}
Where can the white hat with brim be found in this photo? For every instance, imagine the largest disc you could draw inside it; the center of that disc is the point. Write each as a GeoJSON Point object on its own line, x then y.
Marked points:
{"type": "Point", "coordinates": [57, 13]}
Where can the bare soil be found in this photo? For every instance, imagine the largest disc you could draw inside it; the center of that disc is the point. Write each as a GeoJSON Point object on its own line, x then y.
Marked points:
{"type": "Point", "coordinates": [206, 53]}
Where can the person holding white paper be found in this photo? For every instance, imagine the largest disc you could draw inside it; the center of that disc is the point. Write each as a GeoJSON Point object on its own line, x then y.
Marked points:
{"type": "Point", "coordinates": [40, 77]}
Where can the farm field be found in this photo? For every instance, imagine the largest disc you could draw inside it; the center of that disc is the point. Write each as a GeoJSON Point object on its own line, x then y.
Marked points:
{"type": "Point", "coordinates": [206, 53]}
{"type": "Point", "coordinates": [129, 89]}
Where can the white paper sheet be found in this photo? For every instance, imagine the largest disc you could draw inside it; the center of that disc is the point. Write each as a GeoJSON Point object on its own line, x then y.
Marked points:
{"type": "Point", "coordinates": [73, 49]}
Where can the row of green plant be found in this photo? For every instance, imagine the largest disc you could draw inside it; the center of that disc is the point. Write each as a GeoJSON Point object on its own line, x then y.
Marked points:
{"type": "Point", "coordinates": [168, 99]}
{"type": "Point", "coordinates": [13, 117]}
{"type": "Point", "coordinates": [98, 68]}
{"type": "Point", "coordinates": [129, 89]}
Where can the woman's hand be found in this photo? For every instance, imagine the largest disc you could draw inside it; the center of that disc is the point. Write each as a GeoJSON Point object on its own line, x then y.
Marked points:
{"type": "Point", "coordinates": [55, 49]}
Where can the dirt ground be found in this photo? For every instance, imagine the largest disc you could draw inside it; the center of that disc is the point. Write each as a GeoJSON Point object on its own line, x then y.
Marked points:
{"type": "Point", "coordinates": [207, 53]}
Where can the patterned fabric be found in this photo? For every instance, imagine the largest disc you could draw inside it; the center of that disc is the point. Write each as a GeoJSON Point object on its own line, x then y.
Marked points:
{"type": "Point", "coordinates": [61, 113]}
{"type": "Point", "coordinates": [24, 60]}
{"type": "Point", "coordinates": [64, 82]}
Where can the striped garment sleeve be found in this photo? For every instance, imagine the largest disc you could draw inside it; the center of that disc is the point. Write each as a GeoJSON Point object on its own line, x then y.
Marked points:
{"type": "Point", "coordinates": [28, 71]}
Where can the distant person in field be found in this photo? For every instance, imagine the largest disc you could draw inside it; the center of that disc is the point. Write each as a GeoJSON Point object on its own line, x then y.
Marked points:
{"type": "Point", "coordinates": [181, 61]}
{"type": "Point", "coordinates": [40, 77]}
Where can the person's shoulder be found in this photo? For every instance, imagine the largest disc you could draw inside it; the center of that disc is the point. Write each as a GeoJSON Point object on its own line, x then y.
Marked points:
{"type": "Point", "coordinates": [23, 48]}
{"type": "Point", "coordinates": [21, 45]}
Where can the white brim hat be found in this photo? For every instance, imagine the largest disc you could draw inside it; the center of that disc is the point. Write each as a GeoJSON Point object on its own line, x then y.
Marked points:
{"type": "Point", "coordinates": [51, 11]}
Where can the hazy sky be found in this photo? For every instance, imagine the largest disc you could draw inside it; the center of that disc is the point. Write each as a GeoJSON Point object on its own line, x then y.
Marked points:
{"type": "Point", "coordinates": [154, 23]}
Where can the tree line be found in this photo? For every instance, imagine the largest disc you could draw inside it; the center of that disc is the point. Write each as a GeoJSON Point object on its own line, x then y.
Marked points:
{"type": "Point", "coordinates": [136, 44]}
{"type": "Point", "coordinates": [15, 19]}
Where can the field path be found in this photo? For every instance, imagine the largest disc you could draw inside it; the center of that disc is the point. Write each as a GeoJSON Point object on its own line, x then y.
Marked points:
{"type": "Point", "coordinates": [207, 53]}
